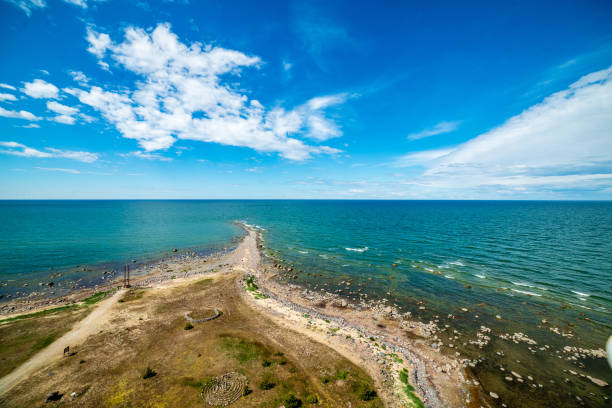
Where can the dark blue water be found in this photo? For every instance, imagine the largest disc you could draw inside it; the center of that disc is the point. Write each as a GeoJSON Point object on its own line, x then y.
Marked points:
{"type": "Point", "coordinates": [524, 261]}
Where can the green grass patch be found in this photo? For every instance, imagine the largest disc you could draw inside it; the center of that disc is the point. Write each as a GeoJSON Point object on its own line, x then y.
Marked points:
{"type": "Point", "coordinates": [396, 358]}
{"type": "Point", "coordinates": [96, 297]}
{"type": "Point", "coordinates": [240, 349]}
{"type": "Point", "coordinates": [342, 374]}
{"type": "Point", "coordinates": [409, 389]}
{"type": "Point", "coordinates": [41, 313]}
{"type": "Point", "coordinates": [191, 382]}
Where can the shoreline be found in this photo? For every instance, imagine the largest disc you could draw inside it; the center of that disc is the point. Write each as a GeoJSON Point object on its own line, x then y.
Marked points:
{"type": "Point", "coordinates": [380, 346]}
{"type": "Point", "coordinates": [438, 380]}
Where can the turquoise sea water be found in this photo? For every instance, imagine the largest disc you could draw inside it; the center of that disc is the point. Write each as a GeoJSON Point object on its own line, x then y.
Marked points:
{"type": "Point", "coordinates": [524, 261]}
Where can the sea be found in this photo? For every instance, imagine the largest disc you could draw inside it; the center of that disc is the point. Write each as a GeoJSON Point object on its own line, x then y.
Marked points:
{"type": "Point", "coordinates": [535, 270]}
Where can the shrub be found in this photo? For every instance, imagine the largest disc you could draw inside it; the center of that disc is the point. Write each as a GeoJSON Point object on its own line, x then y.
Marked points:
{"type": "Point", "coordinates": [341, 375]}
{"type": "Point", "coordinates": [149, 373]}
{"type": "Point", "coordinates": [266, 363]}
{"type": "Point", "coordinates": [188, 326]}
{"type": "Point", "coordinates": [367, 394]}
{"type": "Point", "coordinates": [266, 384]}
{"type": "Point", "coordinates": [312, 399]}
{"type": "Point", "coordinates": [291, 401]}
{"type": "Point", "coordinates": [325, 380]}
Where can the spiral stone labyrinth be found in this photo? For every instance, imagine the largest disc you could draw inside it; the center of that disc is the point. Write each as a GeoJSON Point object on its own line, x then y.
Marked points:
{"type": "Point", "coordinates": [224, 390]}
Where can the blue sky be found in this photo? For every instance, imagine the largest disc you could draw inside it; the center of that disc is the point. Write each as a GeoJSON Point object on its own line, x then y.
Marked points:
{"type": "Point", "coordinates": [221, 99]}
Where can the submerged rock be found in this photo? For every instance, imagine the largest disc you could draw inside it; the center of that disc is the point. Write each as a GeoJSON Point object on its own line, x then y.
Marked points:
{"type": "Point", "coordinates": [597, 381]}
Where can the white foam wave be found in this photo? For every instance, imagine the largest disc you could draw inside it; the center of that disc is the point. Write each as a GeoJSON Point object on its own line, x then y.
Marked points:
{"type": "Point", "coordinates": [481, 276]}
{"type": "Point", "coordinates": [458, 263]}
{"type": "Point", "coordinates": [449, 276]}
{"type": "Point", "coordinates": [528, 285]}
{"type": "Point", "coordinates": [303, 252]}
{"type": "Point", "coordinates": [580, 294]}
{"type": "Point", "coordinates": [526, 293]}
{"type": "Point", "coordinates": [357, 249]}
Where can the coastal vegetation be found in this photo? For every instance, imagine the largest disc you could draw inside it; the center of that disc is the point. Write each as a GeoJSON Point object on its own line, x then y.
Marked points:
{"type": "Point", "coordinates": [174, 365]}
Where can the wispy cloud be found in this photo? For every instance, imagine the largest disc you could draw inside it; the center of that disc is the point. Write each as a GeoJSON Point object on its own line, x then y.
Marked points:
{"type": "Point", "coordinates": [7, 97]}
{"type": "Point", "coordinates": [7, 86]}
{"type": "Point", "coordinates": [184, 97]}
{"type": "Point", "coordinates": [18, 149]}
{"type": "Point", "coordinates": [318, 32]}
{"type": "Point", "coordinates": [66, 114]}
{"type": "Point", "coordinates": [29, 5]}
{"type": "Point", "coordinates": [18, 114]}
{"type": "Point", "coordinates": [146, 156]}
{"type": "Point", "coordinates": [440, 128]}
{"type": "Point", "coordinates": [72, 171]}
{"type": "Point", "coordinates": [561, 143]}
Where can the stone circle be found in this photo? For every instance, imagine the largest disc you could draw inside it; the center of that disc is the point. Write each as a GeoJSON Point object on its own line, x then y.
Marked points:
{"type": "Point", "coordinates": [224, 390]}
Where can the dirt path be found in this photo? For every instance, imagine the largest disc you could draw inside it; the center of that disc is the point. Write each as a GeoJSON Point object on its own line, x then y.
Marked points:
{"type": "Point", "coordinates": [90, 325]}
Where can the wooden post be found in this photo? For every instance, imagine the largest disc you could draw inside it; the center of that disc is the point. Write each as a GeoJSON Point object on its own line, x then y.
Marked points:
{"type": "Point", "coordinates": [128, 276]}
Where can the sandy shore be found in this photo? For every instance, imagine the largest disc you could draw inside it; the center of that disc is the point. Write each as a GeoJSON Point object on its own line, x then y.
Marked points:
{"type": "Point", "coordinates": [376, 339]}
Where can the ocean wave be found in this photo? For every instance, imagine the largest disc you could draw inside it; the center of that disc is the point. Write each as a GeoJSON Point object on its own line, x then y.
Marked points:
{"type": "Point", "coordinates": [458, 263]}
{"type": "Point", "coordinates": [581, 294]}
{"type": "Point", "coordinates": [303, 252]}
{"type": "Point", "coordinates": [528, 285]}
{"type": "Point", "coordinates": [357, 249]}
{"type": "Point", "coordinates": [449, 276]}
{"type": "Point", "coordinates": [526, 293]}
{"type": "Point", "coordinates": [480, 276]}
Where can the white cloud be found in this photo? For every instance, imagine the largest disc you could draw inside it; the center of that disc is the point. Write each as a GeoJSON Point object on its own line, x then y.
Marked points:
{"type": "Point", "coordinates": [7, 86]}
{"type": "Point", "coordinates": [146, 156]}
{"type": "Point", "coordinates": [440, 128]}
{"type": "Point", "coordinates": [72, 171]}
{"type": "Point", "coordinates": [421, 158]}
{"type": "Point", "coordinates": [18, 114]}
{"type": "Point", "coordinates": [40, 89]}
{"type": "Point", "coordinates": [80, 3]}
{"type": "Point", "coordinates": [18, 149]}
{"type": "Point", "coordinates": [79, 77]}
{"type": "Point", "coordinates": [28, 5]}
{"type": "Point", "coordinates": [31, 126]}
{"type": "Point", "coordinates": [98, 43]}
{"type": "Point", "coordinates": [182, 96]}
{"type": "Point", "coordinates": [61, 109]}
{"type": "Point", "coordinates": [66, 114]}
{"type": "Point", "coordinates": [564, 142]}
{"type": "Point", "coordinates": [7, 97]}
{"type": "Point", "coordinates": [65, 119]}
